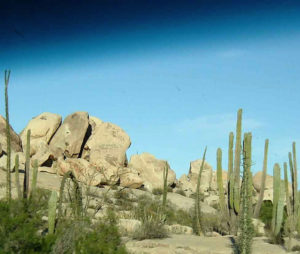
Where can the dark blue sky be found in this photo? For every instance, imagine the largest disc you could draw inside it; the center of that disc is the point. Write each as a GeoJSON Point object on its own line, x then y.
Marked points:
{"type": "Point", "coordinates": [171, 73]}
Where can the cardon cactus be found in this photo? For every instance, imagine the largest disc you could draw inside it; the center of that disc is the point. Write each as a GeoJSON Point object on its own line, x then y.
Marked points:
{"type": "Point", "coordinates": [34, 177]}
{"type": "Point", "coordinates": [197, 200]}
{"type": "Point", "coordinates": [165, 190]}
{"type": "Point", "coordinates": [8, 138]}
{"type": "Point", "coordinates": [52, 205]}
{"type": "Point", "coordinates": [263, 181]}
{"type": "Point", "coordinates": [278, 201]}
{"type": "Point", "coordinates": [220, 182]}
{"type": "Point", "coordinates": [245, 225]}
{"type": "Point", "coordinates": [17, 180]}
{"type": "Point", "coordinates": [27, 167]}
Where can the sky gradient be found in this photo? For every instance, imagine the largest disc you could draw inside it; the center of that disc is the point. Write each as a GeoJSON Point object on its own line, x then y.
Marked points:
{"type": "Point", "coordinates": [172, 74]}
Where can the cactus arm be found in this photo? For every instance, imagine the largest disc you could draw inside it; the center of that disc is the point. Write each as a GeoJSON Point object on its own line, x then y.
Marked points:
{"type": "Point", "coordinates": [165, 179]}
{"type": "Point", "coordinates": [34, 177]}
{"type": "Point", "coordinates": [280, 206]}
{"type": "Point", "coordinates": [295, 181]}
{"type": "Point", "coordinates": [8, 139]}
{"type": "Point", "coordinates": [197, 200]}
{"type": "Point", "coordinates": [276, 193]}
{"type": "Point", "coordinates": [237, 161]}
{"type": "Point", "coordinates": [230, 181]}
{"type": "Point", "coordinates": [52, 204]}
{"type": "Point", "coordinates": [17, 179]}
{"type": "Point", "coordinates": [220, 182]}
{"type": "Point", "coordinates": [263, 181]}
{"type": "Point", "coordinates": [287, 197]}
{"type": "Point", "coordinates": [27, 167]}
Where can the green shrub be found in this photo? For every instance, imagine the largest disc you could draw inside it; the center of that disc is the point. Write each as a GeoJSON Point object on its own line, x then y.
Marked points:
{"type": "Point", "coordinates": [265, 214]}
{"type": "Point", "coordinates": [157, 191]}
{"type": "Point", "coordinates": [123, 200]}
{"type": "Point", "coordinates": [180, 192]}
{"type": "Point", "coordinates": [193, 195]}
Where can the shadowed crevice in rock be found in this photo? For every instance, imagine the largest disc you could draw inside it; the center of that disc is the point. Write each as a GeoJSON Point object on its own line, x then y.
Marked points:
{"type": "Point", "coordinates": [54, 132]}
{"type": "Point", "coordinates": [85, 139]}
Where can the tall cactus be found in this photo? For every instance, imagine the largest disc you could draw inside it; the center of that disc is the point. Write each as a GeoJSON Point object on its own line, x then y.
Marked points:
{"type": "Point", "coordinates": [197, 200]}
{"type": "Point", "coordinates": [245, 225]}
{"type": "Point", "coordinates": [34, 177]}
{"type": "Point", "coordinates": [8, 138]}
{"type": "Point", "coordinates": [27, 167]}
{"type": "Point", "coordinates": [230, 176]}
{"type": "Point", "coordinates": [289, 219]}
{"type": "Point", "coordinates": [263, 181]}
{"type": "Point", "coordinates": [295, 186]}
{"type": "Point", "coordinates": [278, 201]}
{"type": "Point", "coordinates": [52, 205]}
{"type": "Point", "coordinates": [237, 161]}
{"type": "Point", "coordinates": [77, 195]}
{"type": "Point", "coordinates": [17, 179]}
{"type": "Point", "coordinates": [165, 189]}
{"type": "Point", "coordinates": [220, 182]}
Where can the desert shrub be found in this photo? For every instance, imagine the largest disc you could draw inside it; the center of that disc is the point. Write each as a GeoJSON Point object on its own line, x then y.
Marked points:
{"type": "Point", "coordinates": [296, 248]}
{"type": "Point", "coordinates": [123, 200]}
{"type": "Point", "coordinates": [149, 212]}
{"type": "Point", "coordinates": [180, 192]}
{"type": "Point", "coordinates": [169, 189]}
{"type": "Point", "coordinates": [265, 214]}
{"type": "Point", "coordinates": [157, 191]}
{"type": "Point", "coordinates": [21, 225]}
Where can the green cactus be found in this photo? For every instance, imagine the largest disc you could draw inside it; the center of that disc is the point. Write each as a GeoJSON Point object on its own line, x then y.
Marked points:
{"type": "Point", "coordinates": [230, 179]}
{"type": "Point", "coordinates": [289, 219]}
{"type": "Point", "coordinates": [17, 180]}
{"type": "Point", "coordinates": [197, 200]}
{"type": "Point", "coordinates": [263, 181]}
{"type": "Point", "coordinates": [165, 190]}
{"type": "Point", "coordinates": [34, 177]}
{"type": "Point", "coordinates": [245, 225]}
{"type": "Point", "coordinates": [8, 138]}
{"type": "Point", "coordinates": [220, 183]}
{"type": "Point", "coordinates": [27, 167]}
{"type": "Point", "coordinates": [237, 161]}
{"type": "Point", "coordinates": [295, 185]}
{"type": "Point", "coordinates": [52, 205]}
{"type": "Point", "coordinates": [76, 202]}
{"type": "Point", "coordinates": [278, 201]}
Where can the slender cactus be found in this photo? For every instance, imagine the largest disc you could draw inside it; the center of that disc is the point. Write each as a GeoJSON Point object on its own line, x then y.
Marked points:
{"type": "Point", "coordinates": [197, 201]}
{"type": "Point", "coordinates": [77, 195]}
{"type": "Point", "coordinates": [52, 205]}
{"type": "Point", "coordinates": [220, 183]}
{"type": "Point", "coordinates": [165, 190]}
{"type": "Point", "coordinates": [295, 184]}
{"type": "Point", "coordinates": [34, 177]}
{"type": "Point", "coordinates": [278, 201]}
{"type": "Point", "coordinates": [8, 138]}
{"type": "Point", "coordinates": [27, 167]}
{"type": "Point", "coordinates": [237, 161]}
{"type": "Point", "coordinates": [245, 225]}
{"type": "Point", "coordinates": [289, 219]}
{"type": "Point", "coordinates": [263, 181]}
{"type": "Point", "coordinates": [230, 179]}
{"type": "Point", "coordinates": [17, 180]}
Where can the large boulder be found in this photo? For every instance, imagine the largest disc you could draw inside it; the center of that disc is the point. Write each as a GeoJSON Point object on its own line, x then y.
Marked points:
{"type": "Point", "coordinates": [69, 138]}
{"type": "Point", "coordinates": [82, 169]}
{"type": "Point", "coordinates": [15, 141]}
{"type": "Point", "coordinates": [106, 148]}
{"type": "Point", "coordinates": [151, 170]}
{"type": "Point", "coordinates": [130, 178]}
{"type": "Point", "coordinates": [42, 129]}
{"type": "Point", "coordinates": [189, 182]}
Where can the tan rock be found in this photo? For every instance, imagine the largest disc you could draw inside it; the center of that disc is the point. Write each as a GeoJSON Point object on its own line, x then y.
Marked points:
{"type": "Point", "coordinates": [3, 161]}
{"type": "Point", "coordinates": [130, 178]}
{"type": "Point", "coordinates": [43, 154]}
{"type": "Point", "coordinates": [151, 170]}
{"type": "Point", "coordinates": [108, 142]}
{"type": "Point", "coordinates": [42, 129]}
{"type": "Point", "coordinates": [178, 229]}
{"type": "Point", "coordinates": [82, 169]}
{"type": "Point", "coordinates": [16, 145]}
{"type": "Point", "coordinates": [68, 139]}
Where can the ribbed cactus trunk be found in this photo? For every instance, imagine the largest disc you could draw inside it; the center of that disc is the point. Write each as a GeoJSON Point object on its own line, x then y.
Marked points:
{"type": "Point", "coordinates": [295, 188]}
{"type": "Point", "coordinates": [27, 167]}
{"type": "Point", "coordinates": [263, 181]}
{"type": "Point", "coordinates": [17, 179]}
{"type": "Point", "coordinates": [220, 184]}
{"type": "Point", "coordinates": [197, 200]}
{"type": "Point", "coordinates": [8, 139]}
{"type": "Point", "coordinates": [237, 162]}
{"type": "Point", "coordinates": [278, 201]}
{"type": "Point", "coordinates": [52, 205]}
{"type": "Point", "coordinates": [165, 190]}
{"type": "Point", "coordinates": [34, 177]}
{"type": "Point", "coordinates": [289, 219]}
{"type": "Point", "coordinates": [245, 225]}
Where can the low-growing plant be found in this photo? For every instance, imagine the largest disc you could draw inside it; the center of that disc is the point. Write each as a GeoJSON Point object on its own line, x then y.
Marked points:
{"type": "Point", "coordinates": [157, 191]}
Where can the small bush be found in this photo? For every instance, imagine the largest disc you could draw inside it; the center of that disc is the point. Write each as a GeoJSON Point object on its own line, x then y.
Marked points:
{"type": "Point", "coordinates": [180, 192]}
{"type": "Point", "coordinates": [193, 195]}
{"type": "Point", "coordinates": [296, 248]}
{"type": "Point", "coordinates": [157, 191]}
{"type": "Point", "coordinates": [123, 200]}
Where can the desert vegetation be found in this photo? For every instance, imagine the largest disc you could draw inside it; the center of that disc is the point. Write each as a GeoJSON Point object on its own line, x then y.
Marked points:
{"type": "Point", "coordinates": [81, 218]}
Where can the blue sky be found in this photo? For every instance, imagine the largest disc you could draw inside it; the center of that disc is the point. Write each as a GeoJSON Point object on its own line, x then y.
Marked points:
{"type": "Point", "coordinates": [173, 80]}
